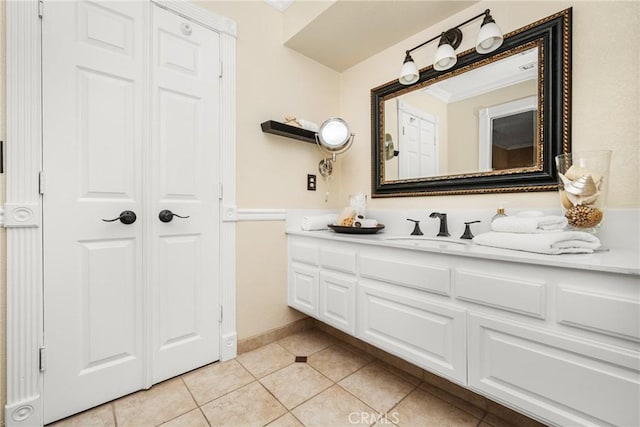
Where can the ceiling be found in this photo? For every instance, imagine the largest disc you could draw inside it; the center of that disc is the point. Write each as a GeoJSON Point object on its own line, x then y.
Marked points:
{"type": "Point", "coordinates": [506, 72]}
{"type": "Point", "coordinates": [348, 31]}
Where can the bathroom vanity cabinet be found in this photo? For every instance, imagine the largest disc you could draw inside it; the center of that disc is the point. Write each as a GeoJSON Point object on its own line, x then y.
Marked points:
{"type": "Point", "coordinates": [558, 344]}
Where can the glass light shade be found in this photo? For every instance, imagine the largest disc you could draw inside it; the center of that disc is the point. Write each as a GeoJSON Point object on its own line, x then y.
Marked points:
{"type": "Point", "coordinates": [445, 57]}
{"type": "Point", "coordinates": [408, 73]}
{"type": "Point", "coordinates": [489, 38]}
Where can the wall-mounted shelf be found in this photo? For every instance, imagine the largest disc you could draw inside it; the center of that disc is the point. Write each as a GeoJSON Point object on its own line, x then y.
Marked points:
{"type": "Point", "coordinates": [288, 131]}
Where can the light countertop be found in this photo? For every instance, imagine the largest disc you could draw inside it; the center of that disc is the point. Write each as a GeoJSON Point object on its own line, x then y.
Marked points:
{"type": "Point", "coordinates": [621, 261]}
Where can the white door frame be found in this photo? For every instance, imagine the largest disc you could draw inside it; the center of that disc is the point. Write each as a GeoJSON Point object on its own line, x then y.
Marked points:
{"type": "Point", "coordinates": [23, 206]}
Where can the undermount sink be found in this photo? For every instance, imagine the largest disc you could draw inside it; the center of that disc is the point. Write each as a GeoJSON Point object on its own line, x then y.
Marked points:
{"type": "Point", "coordinates": [426, 241]}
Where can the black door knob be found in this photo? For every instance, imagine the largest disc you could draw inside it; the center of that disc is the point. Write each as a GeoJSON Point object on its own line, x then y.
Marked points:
{"type": "Point", "coordinates": [126, 217]}
{"type": "Point", "coordinates": [166, 215]}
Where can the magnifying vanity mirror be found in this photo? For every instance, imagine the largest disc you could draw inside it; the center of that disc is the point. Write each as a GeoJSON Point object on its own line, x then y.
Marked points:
{"type": "Point", "coordinates": [334, 137]}
{"type": "Point", "coordinates": [492, 123]}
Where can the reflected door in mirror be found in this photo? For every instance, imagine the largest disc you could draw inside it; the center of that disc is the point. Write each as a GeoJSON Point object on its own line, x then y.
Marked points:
{"type": "Point", "coordinates": [418, 152]}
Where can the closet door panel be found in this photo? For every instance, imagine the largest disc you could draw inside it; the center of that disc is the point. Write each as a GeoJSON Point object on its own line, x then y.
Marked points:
{"type": "Point", "coordinates": [185, 150]}
{"type": "Point", "coordinates": [93, 135]}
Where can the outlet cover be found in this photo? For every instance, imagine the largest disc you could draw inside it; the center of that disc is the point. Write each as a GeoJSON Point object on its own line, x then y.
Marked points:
{"type": "Point", "coordinates": [311, 182]}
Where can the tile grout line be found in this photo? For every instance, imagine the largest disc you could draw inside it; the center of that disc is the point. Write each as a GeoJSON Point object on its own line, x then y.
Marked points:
{"type": "Point", "coordinates": [485, 412]}
{"type": "Point", "coordinates": [362, 401]}
{"type": "Point", "coordinates": [113, 412]}
{"type": "Point", "coordinates": [195, 401]}
{"type": "Point", "coordinates": [226, 393]}
{"type": "Point", "coordinates": [333, 383]}
{"type": "Point", "coordinates": [374, 359]}
{"type": "Point", "coordinates": [390, 369]}
{"type": "Point", "coordinates": [258, 380]}
{"type": "Point", "coordinates": [415, 387]}
{"type": "Point", "coordinates": [277, 400]}
{"type": "Point", "coordinates": [306, 400]}
{"type": "Point", "coordinates": [335, 344]}
{"type": "Point", "coordinates": [482, 419]}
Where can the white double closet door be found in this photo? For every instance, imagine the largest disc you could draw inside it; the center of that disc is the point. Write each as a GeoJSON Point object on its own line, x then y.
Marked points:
{"type": "Point", "coordinates": [130, 123]}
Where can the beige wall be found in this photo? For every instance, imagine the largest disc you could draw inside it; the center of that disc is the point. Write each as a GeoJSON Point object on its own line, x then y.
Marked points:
{"type": "Point", "coordinates": [605, 111]}
{"type": "Point", "coordinates": [274, 81]}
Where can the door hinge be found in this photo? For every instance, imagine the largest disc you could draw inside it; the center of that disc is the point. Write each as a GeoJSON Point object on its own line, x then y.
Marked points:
{"type": "Point", "coordinates": [220, 74]}
{"type": "Point", "coordinates": [220, 191]}
{"type": "Point", "coordinates": [221, 316]}
{"type": "Point", "coordinates": [41, 182]}
{"type": "Point", "coordinates": [43, 359]}
{"type": "Point", "coordinates": [40, 9]}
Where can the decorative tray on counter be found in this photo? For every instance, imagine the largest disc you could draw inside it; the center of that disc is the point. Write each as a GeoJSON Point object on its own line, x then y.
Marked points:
{"type": "Point", "coordinates": [355, 230]}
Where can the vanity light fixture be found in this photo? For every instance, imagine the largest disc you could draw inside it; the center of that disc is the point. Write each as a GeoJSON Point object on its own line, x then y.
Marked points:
{"type": "Point", "coordinates": [489, 39]}
{"type": "Point", "coordinates": [333, 137]}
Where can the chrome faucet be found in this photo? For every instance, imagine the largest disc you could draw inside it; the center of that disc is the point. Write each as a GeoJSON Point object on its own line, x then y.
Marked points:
{"type": "Point", "coordinates": [444, 231]}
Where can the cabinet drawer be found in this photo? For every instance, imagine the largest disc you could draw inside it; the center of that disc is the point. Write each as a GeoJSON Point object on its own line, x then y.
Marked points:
{"type": "Point", "coordinates": [427, 278]}
{"type": "Point", "coordinates": [404, 322]}
{"type": "Point", "coordinates": [338, 301]}
{"type": "Point", "coordinates": [304, 253]}
{"type": "Point", "coordinates": [507, 293]}
{"type": "Point", "coordinates": [340, 260]}
{"type": "Point", "coordinates": [563, 379]}
{"type": "Point", "coordinates": [606, 314]}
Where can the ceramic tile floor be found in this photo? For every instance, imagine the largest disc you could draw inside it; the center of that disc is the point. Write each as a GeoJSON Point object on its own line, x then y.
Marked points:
{"type": "Point", "coordinates": [337, 386]}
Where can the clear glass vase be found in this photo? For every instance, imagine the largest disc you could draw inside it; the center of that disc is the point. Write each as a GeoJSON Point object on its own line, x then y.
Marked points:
{"type": "Point", "coordinates": [583, 179]}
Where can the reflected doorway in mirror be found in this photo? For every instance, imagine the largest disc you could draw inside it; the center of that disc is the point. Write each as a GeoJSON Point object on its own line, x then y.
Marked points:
{"type": "Point", "coordinates": [507, 135]}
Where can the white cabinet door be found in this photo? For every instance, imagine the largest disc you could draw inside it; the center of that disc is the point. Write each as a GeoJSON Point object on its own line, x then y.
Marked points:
{"type": "Point", "coordinates": [407, 323]}
{"type": "Point", "coordinates": [338, 301]}
{"type": "Point", "coordinates": [562, 379]}
{"type": "Point", "coordinates": [303, 288]}
{"type": "Point", "coordinates": [127, 305]}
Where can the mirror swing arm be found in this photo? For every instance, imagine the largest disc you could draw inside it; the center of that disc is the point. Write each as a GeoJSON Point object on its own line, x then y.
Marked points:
{"type": "Point", "coordinates": [552, 37]}
{"type": "Point", "coordinates": [333, 137]}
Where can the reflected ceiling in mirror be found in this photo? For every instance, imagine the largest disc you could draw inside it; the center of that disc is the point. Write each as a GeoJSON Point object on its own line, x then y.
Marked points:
{"type": "Point", "coordinates": [493, 123]}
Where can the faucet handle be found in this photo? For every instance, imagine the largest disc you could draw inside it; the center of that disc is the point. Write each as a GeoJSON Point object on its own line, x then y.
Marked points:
{"type": "Point", "coordinates": [467, 230]}
{"type": "Point", "coordinates": [416, 228]}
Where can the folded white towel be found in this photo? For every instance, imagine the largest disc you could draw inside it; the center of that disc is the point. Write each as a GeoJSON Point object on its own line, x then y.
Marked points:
{"type": "Point", "coordinates": [537, 224]}
{"type": "Point", "coordinates": [366, 223]}
{"type": "Point", "coordinates": [558, 242]}
{"type": "Point", "coordinates": [308, 125]}
{"type": "Point", "coordinates": [318, 222]}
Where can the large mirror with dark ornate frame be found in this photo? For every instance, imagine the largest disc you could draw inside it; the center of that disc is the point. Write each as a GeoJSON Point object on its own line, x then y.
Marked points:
{"type": "Point", "coordinates": [492, 123]}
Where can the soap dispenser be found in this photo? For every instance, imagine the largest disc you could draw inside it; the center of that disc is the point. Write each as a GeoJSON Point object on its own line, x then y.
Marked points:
{"type": "Point", "coordinates": [499, 213]}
